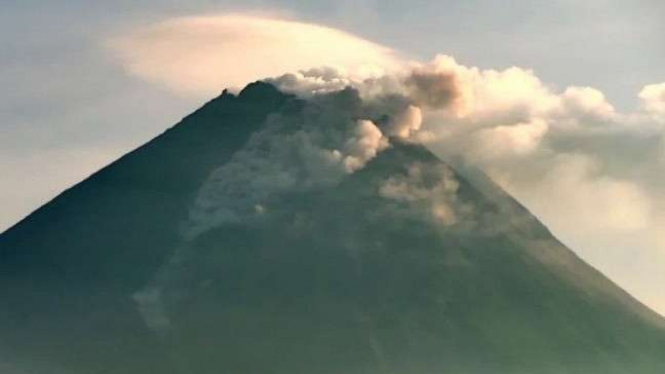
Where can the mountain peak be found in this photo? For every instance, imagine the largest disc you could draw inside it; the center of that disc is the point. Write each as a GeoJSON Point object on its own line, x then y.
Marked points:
{"type": "Point", "coordinates": [260, 91]}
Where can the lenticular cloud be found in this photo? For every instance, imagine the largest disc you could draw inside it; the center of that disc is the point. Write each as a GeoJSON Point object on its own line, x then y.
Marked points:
{"type": "Point", "coordinates": [202, 55]}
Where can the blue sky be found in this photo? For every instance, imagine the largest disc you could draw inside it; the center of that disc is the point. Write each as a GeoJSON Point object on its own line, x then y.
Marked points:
{"type": "Point", "coordinates": [67, 107]}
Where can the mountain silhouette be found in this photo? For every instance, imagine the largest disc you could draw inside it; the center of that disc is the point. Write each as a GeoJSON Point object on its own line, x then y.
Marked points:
{"type": "Point", "coordinates": [223, 246]}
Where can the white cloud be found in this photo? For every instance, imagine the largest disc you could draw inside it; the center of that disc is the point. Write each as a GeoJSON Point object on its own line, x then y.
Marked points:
{"type": "Point", "coordinates": [586, 101]}
{"type": "Point", "coordinates": [203, 55]}
{"type": "Point", "coordinates": [577, 199]}
{"type": "Point", "coordinates": [492, 93]}
{"type": "Point", "coordinates": [504, 141]}
{"type": "Point", "coordinates": [653, 98]}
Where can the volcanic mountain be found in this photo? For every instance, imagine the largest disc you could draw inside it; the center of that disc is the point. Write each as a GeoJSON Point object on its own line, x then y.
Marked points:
{"type": "Point", "coordinates": [232, 243]}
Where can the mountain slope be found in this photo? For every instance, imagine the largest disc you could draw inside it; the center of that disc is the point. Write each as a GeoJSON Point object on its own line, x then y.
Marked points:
{"type": "Point", "coordinates": [403, 266]}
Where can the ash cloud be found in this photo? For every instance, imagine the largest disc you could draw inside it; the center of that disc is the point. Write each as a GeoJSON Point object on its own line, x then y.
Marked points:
{"type": "Point", "coordinates": [433, 89]}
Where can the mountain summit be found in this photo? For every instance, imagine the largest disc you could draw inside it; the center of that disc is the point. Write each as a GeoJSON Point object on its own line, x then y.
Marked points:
{"type": "Point", "coordinates": [267, 233]}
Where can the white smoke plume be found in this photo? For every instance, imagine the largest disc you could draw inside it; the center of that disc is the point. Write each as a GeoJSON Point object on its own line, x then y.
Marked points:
{"type": "Point", "coordinates": [519, 130]}
{"type": "Point", "coordinates": [594, 175]}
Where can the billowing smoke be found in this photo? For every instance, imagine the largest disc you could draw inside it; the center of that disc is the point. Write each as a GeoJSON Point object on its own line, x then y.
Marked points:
{"type": "Point", "coordinates": [312, 149]}
{"type": "Point", "coordinates": [346, 122]}
{"type": "Point", "coordinates": [433, 89]}
{"type": "Point", "coordinates": [540, 144]}
{"type": "Point", "coordinates": [530, 138]}
{"type": "Point", "coordinates": [593, 174]}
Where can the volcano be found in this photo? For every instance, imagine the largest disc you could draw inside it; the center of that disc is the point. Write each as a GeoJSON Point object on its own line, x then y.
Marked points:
{"type": "Point", "coordinates": [232, 244]}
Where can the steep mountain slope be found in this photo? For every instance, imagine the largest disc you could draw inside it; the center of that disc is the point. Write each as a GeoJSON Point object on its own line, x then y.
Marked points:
{"type": "Point", "coordinates": [176, 259]}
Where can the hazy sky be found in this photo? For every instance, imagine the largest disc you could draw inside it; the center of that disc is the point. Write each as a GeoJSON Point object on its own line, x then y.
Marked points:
{"type": "Point", "coordinates": [69, 106]}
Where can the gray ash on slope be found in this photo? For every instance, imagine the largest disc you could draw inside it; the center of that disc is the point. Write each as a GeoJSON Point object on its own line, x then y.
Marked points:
{"type": "Point", "coordinates": [251, 247]}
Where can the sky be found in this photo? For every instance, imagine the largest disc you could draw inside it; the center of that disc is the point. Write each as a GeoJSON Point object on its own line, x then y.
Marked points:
{"type": "Point", "coordinates": [85, 82]}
